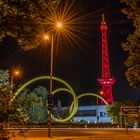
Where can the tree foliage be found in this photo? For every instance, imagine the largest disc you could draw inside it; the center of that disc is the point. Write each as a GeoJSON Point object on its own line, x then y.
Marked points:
{"type": "Point", "coordinates": [34, 104]}
{"type": "Point", "coordinates": [113, 111]}
{"type": "Point", "coordinates": [132, 45]}
{"type": "Point", "coordinates": [29, 106]}
{"type": "Point", "coordinates": [26, 20]}
{"type": "Point", "coordinates": [8, 112]}
{"type": "Point", "coordinates": [37, 110]}
{"type": "Point", "coordinates": [58, 111]}
{"type": "Point", "coordinates": [4, 80]}
{"type": "Point", "coordinates": [4, 92]}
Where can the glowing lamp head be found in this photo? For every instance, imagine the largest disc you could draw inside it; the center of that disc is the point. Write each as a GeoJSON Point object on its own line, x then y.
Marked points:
{"type": "Point", "coordinates": [46, 37]}
{"type": "Point", "coordinates": [16, 73]}
{"type": "Point", "coordinates": [101, 92]}
{"type": "Point", "coordinates": [59, 25]}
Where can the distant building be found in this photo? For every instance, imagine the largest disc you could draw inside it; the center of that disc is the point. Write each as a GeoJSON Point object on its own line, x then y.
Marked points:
{"type": "Point", "coordinates": [92, 114]}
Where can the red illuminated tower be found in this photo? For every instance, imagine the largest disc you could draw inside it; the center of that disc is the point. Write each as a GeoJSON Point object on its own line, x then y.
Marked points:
{"type": "Point", "coordinates": [106, 81]}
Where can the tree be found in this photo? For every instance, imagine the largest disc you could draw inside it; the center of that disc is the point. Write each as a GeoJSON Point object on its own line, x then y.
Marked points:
{"type": "Point", "coordinates": [34, 104]}
{"type": "Point", "coordinates": [26, 20]}
{"type": "Point", "coordinates": [58, 111]}
{"type": "Point", "coordinates": [37, 110]}
{"type": "Point", "coordinates": [8, 112]}
{"type": "Point", "coordinates": [132, 45]}
{"type": "Point", "coordinates": [4, 80]}
{"type": "Point", "coordinates": [113, 111]}
{"type": "Point", "coordinates": [4, 94]}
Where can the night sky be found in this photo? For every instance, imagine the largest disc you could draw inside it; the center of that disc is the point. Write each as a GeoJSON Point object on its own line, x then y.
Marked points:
{"type": "Point", "coordinates": [80, 65]}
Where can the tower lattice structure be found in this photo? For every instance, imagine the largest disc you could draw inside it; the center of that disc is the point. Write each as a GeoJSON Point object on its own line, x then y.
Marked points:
{"type": "Point", "coordinates": [106, 81]}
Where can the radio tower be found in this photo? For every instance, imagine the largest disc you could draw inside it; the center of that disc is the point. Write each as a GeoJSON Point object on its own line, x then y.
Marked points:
{"type": "Point", "coordinates": [106, 81]}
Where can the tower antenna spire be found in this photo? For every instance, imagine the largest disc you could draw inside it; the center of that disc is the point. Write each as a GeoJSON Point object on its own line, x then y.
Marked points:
{"type": "Point", "coordinates": [103, 19]}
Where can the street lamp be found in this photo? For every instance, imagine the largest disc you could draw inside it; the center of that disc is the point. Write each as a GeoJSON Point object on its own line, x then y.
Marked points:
{"type": "Point", "coordinates": [97, 103]}
{"type": "Point", "coordinates": [14, 73]}
{"type": "Point", "coordinates": [46, 37]}
{"type": "Point", "coordinates": [101, 92]}
{"type": "Point", "coordinates": [59, 25]}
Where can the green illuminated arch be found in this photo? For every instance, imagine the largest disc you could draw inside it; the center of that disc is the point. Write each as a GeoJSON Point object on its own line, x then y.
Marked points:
{"type": "Point", "coordinates": [74, 106]}
{"type": "Point", "coordinates": [40, 78]}
{"type": "Point", "coordinates": [75, 101]}
{"type": "Point", "coordinates": [88, 94]}
{"type": "Point", "coordinates": [70, 90]}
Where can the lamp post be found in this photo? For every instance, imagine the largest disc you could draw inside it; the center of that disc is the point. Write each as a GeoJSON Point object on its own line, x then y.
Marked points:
{"type": "Point", "coordinates": [97, 103]}
{"type": "Point", "coordinates": [50, 93]}
{"type": "Point", "coordinates": [46, 37]}
{"type": "Point", "coordinates": [13, 73]}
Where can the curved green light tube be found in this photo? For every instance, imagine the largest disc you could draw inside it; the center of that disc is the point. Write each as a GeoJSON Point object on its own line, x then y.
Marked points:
{"type": "Point", "coordinates": [70, 90]}
{"type": "Point", "coordinates": [37, 79]}
{"type": "Point", "coordinates": [87, 94]}
{"type": "Point", "coordinates": [75, 107]}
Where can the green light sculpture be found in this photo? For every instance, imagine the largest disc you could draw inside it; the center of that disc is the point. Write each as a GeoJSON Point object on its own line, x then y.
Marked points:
{"type": "Point", "coordinates": [73, 107]}
{"type": "Point", "coordinates": [87, 94]}
{"type": "Point", "coordinates": [70, 90]}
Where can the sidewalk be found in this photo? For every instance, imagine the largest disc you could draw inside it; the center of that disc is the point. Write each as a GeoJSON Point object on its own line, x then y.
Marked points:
{"type": "Point", "coordinates": [84, 134]}
{"type": "Point", "coordinates": [97, 137]}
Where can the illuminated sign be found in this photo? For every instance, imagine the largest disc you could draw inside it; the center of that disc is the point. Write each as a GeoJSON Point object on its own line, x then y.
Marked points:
{"type": "Point", "coordinates": [134, 110]}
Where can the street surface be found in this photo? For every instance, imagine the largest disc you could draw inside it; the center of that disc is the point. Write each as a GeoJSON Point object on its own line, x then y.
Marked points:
{"type": "Point", "coordinates": [79, 134]}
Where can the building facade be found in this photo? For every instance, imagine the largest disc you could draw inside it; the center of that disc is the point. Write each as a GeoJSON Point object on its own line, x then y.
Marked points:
{"type": "Point", "coordinates": [92, 114]}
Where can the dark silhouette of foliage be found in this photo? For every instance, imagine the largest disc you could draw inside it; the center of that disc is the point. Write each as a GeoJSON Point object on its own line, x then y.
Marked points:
{"type": "Point", "coordinates": [113, 112]}
{"type": "Point", "coordinates": [27, 20]}
{"type": "Point", "coordinates": [34, 104]}
{"type": "Point", "coordinates": [8, 112]}
{"type": "Point", "coordinates": [132, 45]}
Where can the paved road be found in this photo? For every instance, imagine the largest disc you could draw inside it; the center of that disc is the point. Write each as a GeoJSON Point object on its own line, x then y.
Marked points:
{"type": "Point", "coordinates": [81, 134]}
